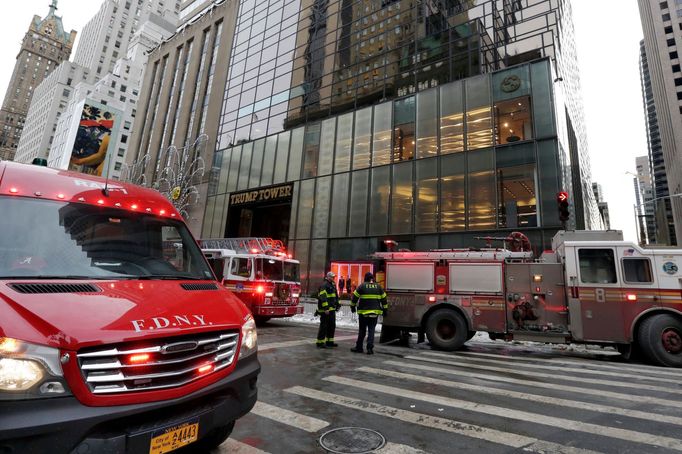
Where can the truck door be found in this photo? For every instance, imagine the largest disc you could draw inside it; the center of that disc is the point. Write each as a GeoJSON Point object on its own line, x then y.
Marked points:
{"type": "Point", "coordinates": [640, 285]}
{"type": "Point", "coordinates": [600, 294]}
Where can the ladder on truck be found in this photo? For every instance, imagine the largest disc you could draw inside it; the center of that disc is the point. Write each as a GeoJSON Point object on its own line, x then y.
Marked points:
{"type": "Point", "coordinates": [246, 245]}
{"type": "Point", "coordinates": [493, 255]}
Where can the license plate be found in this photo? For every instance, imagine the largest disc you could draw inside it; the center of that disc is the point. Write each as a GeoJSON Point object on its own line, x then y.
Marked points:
{"type": "Point", "coordinates": [175, 437]}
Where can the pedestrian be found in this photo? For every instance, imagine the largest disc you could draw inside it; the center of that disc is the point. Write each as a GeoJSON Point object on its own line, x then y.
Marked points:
{"type": "Point", "coordinates": [369, 300]}
{"type": "Point", "coordinates": [342, 283]}
{"type": "Point", "coordinates": [349, 282]}
{"type": "Point", "coordinates": [327, 304]}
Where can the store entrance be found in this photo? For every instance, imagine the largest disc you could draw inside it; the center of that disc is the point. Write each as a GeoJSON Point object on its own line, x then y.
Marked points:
{"type": "Point", "coordinates": [352, 274]}
{"type": "Point", "coordinates": [264, 212]}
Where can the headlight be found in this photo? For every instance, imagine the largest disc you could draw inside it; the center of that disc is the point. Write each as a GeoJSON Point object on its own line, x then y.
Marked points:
{"type": "Point", "coordinates": [249, 338]}
{"type": "Point", "coordinates": [29, 371]}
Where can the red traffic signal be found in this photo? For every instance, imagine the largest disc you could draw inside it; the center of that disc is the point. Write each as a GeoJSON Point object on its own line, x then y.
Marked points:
{"type": "Point", "coordinates": [562, 204]}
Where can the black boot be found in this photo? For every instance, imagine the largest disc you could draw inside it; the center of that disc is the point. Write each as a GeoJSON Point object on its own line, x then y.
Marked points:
{"type": "Point", "coordinates": [370, 351]}
{"type": "Point", "coordinates": [321, 346]}
{"type": "Point", "coordinates": [332, 344]}
{"type": "Point", "coordinates": [356, 350]}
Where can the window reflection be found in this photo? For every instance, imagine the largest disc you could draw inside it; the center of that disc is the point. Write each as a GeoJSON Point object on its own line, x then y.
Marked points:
{"type": "Point", "coordinates": [427, 124]}
{"type": "Point", "coordinates": [344, 134]}
{"type": "Point", "coordinates": [453, 200]}
{"type": "Point", "coordinates": [402, 199]}
{"type": "Point", "coordinates": [426, 202]}
{"type": "Point", "coordinates": [363, 138]}
{"type": "Point", "coordinates": [513, 120]}
{"type": "Point", "coordinates": [517, 196]}
{"type": "Point", "coordinates": [479, 128]}
{"type": "Point", "coordinates": [381, 146]}
{"type": "Point", "coordinates": [403, 131]}
{"type": "Point", "coordinates": [451, 118]}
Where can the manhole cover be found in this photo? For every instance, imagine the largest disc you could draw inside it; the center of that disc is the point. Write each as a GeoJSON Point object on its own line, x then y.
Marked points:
{"type": "Point", "coordinates": [352, 440]}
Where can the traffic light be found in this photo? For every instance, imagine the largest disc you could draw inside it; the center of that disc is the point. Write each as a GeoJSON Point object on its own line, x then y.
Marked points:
{"type": "Point", "coordinates": [562, 203]}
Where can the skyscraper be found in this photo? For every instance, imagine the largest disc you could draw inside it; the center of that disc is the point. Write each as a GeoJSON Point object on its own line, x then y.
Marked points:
{"type": "Point", "coordinates": [661, 22]}
{"type": "Point", "coordinates": [45, 45]}
{"type": "Point", "coordinates": [645, 201]}
{"type": "Point", "coordinates": [429, 122]}
{"type": "Point", "coordinates": [664, 232]}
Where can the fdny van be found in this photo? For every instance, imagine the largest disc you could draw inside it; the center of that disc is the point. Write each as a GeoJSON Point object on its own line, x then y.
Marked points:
{"type": "Point", "coordinates": [114, 335]}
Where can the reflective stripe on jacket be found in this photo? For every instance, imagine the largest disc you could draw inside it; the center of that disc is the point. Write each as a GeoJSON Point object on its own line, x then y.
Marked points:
{"type": "Point", "coordinates": [327, 299]}
{"type": "Point", "coordinates": [369, 298]}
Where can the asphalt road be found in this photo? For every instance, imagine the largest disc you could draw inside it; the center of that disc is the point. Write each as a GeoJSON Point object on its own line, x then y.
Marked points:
{"type": "Point", "coordinates": [487, 398]}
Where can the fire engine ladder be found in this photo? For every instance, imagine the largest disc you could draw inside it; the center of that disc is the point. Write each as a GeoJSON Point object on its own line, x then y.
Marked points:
{"type": "Point", "coordinates": [456, 254]}
{"type": "Point", "coordinates": [246, 245]}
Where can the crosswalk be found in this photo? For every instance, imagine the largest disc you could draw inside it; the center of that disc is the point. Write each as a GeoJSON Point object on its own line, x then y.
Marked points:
{"type": "Point", "coordinates": [486, 400]}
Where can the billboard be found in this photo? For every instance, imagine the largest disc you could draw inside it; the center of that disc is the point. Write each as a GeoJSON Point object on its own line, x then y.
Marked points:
{"type": "Point", "coordinates": [95, 135]}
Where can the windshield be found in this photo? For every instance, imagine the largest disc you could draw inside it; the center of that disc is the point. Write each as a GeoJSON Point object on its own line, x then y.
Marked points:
{"type": "Point", "coordinates": [291, 272]}
{"type": "Point", "coordinates": [47, 239]}
{"type": "Point", "coordinates": [269, 269]}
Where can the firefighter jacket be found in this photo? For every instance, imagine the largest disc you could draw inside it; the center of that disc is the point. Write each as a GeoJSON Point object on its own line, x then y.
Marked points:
{"type": "Point", "coordinates": [327, 299]}
{"type": "Point", "coordinates": [370, 299]}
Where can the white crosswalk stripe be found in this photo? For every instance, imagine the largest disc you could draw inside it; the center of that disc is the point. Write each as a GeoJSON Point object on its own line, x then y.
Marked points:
{"type": "Point", "coordinates": [528, 397]}
{"type": "Point", "coordinates": [529, 444]}
{"type": "Point", "coordinates": [289, 417]}
{"type": "Point", "coordinates": [534, 418]}
{"type": "Point", "coordinates": [467, 363]}
{"type": "Point", "coordinates": [639, 368]}
{"type": "Point", "coordinates": [530, 362]}
{"type": "Point", "coordinates": [236, 447]}
{"type": "Point", "coordinates": [538, 384]}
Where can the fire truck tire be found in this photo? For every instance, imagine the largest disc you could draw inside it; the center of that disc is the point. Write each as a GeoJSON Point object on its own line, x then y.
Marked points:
{"type": "Point", "coordinates": [446, 330]}
{"type": "Point", "coordinates": [660, 339]}
{"type": "Point", "coordinates": [213, 439]}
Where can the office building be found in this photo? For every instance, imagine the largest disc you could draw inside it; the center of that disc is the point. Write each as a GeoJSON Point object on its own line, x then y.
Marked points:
{"type": "Point", "coordinates": [664, 232]}
{"type": "Point", "coordinates": [602, 204]}
{"type": "Point", "coordinates": [182, 97]}
{"type": "Point", "coordinates": [45, 45]}
{"type": "Point", "coordinates": [661, 23]}
{"type": "Point", "coordinates": [426, 122]}
{"type": "Point", "coordinates": [644, 207]}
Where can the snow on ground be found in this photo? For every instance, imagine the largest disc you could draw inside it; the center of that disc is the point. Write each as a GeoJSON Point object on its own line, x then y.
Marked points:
{"type": "Point", "coordinates": [346, 319]}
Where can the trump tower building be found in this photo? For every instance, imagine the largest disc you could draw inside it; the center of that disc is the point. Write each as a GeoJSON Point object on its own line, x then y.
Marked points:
{"type": "Point", "coordinates": [345, 123]}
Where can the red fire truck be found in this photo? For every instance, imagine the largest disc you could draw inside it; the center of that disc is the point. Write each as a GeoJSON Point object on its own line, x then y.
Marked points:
{"type": "Point", "coordinates": [114, 335]}
{"type": "Point", "coordinates": [260, 272]}
{"type": "Point", "coordinates": [592, 287]}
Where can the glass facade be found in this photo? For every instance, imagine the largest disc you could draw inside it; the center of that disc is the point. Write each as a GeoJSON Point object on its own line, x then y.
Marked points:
{"type": "Point", "coordinates": [394, 170]}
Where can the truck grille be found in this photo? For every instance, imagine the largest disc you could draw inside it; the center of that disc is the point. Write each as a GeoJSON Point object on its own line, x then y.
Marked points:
{"type": "Point", "coordinates": [165, 363]}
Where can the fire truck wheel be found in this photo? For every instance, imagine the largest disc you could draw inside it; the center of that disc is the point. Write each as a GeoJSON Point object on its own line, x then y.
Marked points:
{"type": "Point", "coordinates": [660, 338]}
{"type": "Point", "coordinates": [446, 330]}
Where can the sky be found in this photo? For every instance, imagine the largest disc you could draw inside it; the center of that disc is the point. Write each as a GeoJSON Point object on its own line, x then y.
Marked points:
{"type": "Point", "coordinates": [608, 53]}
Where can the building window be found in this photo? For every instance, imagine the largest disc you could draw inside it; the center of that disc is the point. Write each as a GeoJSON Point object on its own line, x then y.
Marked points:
{"type": "Point", "coordinates": [381, 143]}
{"type": "Point", "coordinates": [673, 55]}
{"type": "Point", "coordinates": [668, 29]}
{"type": "Point", "coordinates": [427, 124]}
{"type": "Point", "coordinates": [676, 68]}
{"type": "Point", "coordinates": [363, 138]}
{"type": "Point", "coordinates": [670, 42]}
{"type": "Point", "coordinates": [517, 196]}
{"type": "Point", "coordinates": [451, 118]}
{"type": "Point", "coordinates": [482, 192]}
{"type": "Point", "coordinates": [479, 119]}
{"type": "Point", "coordinates": [666, 17]}
{"type": "Point", "coordinates": [403, 129]}
{"type": "Point", "coordinates": [452, 194]}
{"type": "Point", "coordinates": [124, 138]}
{"type": "Point", "coordinates": [663, 5]}
{"type": "Point", "coordinates": [514, 121]}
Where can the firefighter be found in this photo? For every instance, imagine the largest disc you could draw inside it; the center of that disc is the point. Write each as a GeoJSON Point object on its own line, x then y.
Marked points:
{"type": "Point", "coordinates": [327, 304]}
{"type": "Point", "coordinates": [369, 300]}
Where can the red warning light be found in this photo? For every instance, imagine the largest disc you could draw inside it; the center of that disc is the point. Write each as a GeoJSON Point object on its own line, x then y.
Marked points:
{"type": "Point", "coordinates": [631, 297]}
{"type": "Point", "coordinates": [205, 369]}
{"type": "Point", "coordinates": [13, 190]}
{"type": "Point", "coordinates": [562, 196]}
{"type": "Point", "coordinates": [139, 358]}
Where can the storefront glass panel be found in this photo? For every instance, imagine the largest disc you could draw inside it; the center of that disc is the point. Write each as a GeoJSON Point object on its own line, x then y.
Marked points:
{"type": "Point", "coordinates": [234, 169]}
{"type": "Point", "coordinates": [322, 199]}
{"type": "Point", "coordinates": [513, 120]}
{"type": "Point", "coordinates": [427, 124]}
{"type": "Point", "coordinates": [269, 160]}
{"type": "Point", "coordinates": [295, 154]}
{"type": "Point", "coordinates": [379, 198]}
{"type": "Point", "coordinates": [543, 102]}
{"type": "Point", "coordinates": [282, 157]}
{"type": "Point", "coordinates": [257, 163]}
{"type": "Point", "coordinates": [381, 144]}
{"type": "Point", "coordinates": [426, 202]}
{"type": "Point", "coordinates": [327, 138]}
{"type": "Point", "coordinates": [358, 203]}
{"type": "Point", "coordinates": [344, 141]}
{"type": "Point", "coordinates": [403, 130]}
{"type": "Point", "coordinates": [482, 192]}
{"type": "Point", "coordinates": [318, 263]}
{"type": "Point", "coordinates": [517, 197]}
{"type": "Point", "coordinates": [451, 118]}
{"type": "Point", "coordinates": [311, 150]}
{"type": "Point", "coordinates": [479, 113]}
{"type": "Point", "coordinates": [453, 193]}
{"type": "Point", "coordinates": [339, 212]}
{"type": "Point", "coordinates": [402, 198]}
{"type": "Point", "coordinates": [306, 201]}
{"type": "Point", "coordinates": [363, 138]}
{"type": "Point", "coordinates": [245, 166]}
